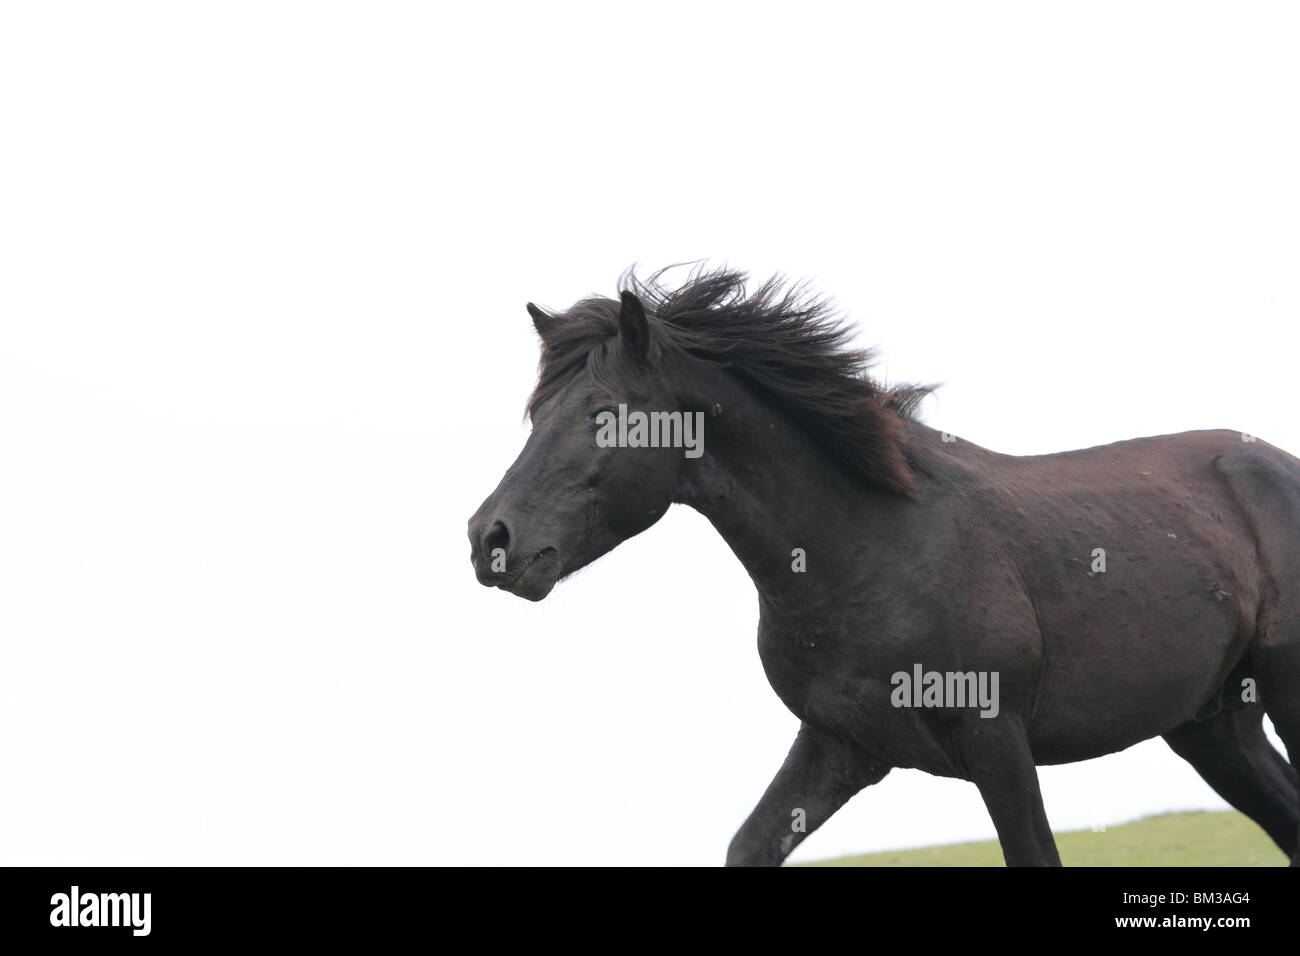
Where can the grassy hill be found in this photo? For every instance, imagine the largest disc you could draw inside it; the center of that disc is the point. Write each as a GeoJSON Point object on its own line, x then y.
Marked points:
{"type": "Point", "coordinates": [1173, 839]}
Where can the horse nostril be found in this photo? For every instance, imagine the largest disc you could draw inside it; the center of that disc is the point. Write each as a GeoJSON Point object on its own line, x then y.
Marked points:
{"type": "Point", "coordinates": [498, 536]}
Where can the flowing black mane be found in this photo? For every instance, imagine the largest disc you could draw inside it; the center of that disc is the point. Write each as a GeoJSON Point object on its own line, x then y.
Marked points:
{"type": "Point", "coordinates": [788, 344]}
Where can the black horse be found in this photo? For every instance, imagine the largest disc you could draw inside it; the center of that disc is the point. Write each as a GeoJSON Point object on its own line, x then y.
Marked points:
{"type": "Point", "coordinates": [924, 602]}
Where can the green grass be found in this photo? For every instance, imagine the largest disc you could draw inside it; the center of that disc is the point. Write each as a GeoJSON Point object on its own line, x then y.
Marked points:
{"type": "Point", "coordinates": [1173, 839]}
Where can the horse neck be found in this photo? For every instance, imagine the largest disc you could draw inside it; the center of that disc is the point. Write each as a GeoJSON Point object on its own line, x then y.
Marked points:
{"type": "Point", "coordinates": [768, 488]}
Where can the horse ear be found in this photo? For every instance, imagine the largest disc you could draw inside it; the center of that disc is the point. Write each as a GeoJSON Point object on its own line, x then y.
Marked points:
{"type": "Point", "coordinates": [542, 322]}
{"type": "Point", "coordinates": [633, 327]}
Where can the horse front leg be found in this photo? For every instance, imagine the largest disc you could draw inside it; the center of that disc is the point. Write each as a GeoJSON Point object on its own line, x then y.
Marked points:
{"type": "Point", "coordinates": [995, 755]}
{"type": "Point", "coordinates": [820, 774]}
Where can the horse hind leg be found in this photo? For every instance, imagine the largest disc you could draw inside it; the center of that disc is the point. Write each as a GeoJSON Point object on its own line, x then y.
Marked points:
{"type": "Point", "coordinates": [1231, 752]}
{"type": "Point", "coordinates": [1279, 692]}
{"type": "Point", "coordinates": [1266, 485]}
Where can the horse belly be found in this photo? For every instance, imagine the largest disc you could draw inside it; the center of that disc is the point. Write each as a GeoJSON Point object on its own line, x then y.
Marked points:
{"type": "Point", "coordinates": [1138, 665]}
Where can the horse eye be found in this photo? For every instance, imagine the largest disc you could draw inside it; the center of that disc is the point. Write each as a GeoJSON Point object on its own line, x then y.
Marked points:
{"type": "Point", "coordinates": [597, 413]}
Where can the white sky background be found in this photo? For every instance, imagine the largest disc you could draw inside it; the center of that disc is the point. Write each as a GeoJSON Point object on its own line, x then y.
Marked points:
{"type": "Point", "coordinates": [263, 351]}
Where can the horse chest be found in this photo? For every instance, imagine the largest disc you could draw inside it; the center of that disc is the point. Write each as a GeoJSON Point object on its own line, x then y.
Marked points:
{"type": "Point", "coordinates": [831, 682]}
{"type": "Point", "coordinates": [801, 658]}
{"type": "Point", "coordinates": [791, 663]}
